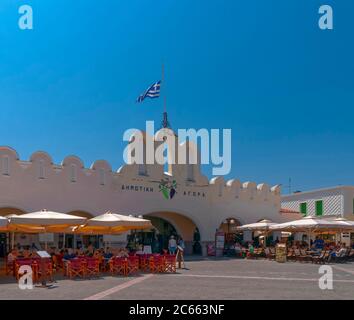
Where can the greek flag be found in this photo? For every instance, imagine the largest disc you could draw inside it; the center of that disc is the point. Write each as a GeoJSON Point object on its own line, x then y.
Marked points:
{"type": "Point", "coordinates": [152, 92]}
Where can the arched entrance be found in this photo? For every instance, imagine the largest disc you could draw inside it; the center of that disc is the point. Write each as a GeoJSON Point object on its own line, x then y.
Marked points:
{"type": "Point", "coordinates": [157, 237]}
{"type": "Point", "coordinates": [4, 237]}
{"type": "Point", "coordinates": [228, 227]}
{"type": "Point", "coordinates": [167, 224]}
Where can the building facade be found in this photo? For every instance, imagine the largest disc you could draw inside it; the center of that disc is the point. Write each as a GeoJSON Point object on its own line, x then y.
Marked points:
{"type": "Point", "coordinates": [335, 202]}
{"type": "Point", "coordinates": [183, 197]}
{"type": "Point", "coordinates": [328, 202]}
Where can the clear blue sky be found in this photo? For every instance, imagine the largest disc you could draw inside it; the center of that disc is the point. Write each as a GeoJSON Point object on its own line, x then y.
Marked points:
{"type": "Point", "coordinates": [262, 68]}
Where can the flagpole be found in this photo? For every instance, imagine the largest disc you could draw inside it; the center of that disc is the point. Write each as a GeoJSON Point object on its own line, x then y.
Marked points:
{"type": "Point", "coordinates": [165, 123]}
{"type": "Point", "coordinates": [163, 83]}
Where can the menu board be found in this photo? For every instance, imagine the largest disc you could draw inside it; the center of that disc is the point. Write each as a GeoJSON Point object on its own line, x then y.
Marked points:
{"type": "Point", "coordinates": [220, 240]}
{"type": "Point", "coordinates": [43, 254]}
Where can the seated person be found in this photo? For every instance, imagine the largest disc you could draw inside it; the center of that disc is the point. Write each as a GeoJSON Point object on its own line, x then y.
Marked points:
{"type": "Point", "coordinates": [97, 254]}
{"type": "Point", "coordinates": [107, 254]}
{"type": "Point", "coordinates": [238, 248]}
{"type": "Point", "coordinates": [69, 254]}
{"type": "Point", "coordinates": [11, 257]}
{"type": "Point", "coordinates": [318, 243]}
{"type": "Point", "coordinates": [341, 252]}
{"type": "Point", "coordinates": [122, 253]}
{"type": "Point", "coordinates": [26, 254]}
{"type": "Point", "coordinates": [337, 253]}
{"type": "Point", "coordinates": [250, 250]}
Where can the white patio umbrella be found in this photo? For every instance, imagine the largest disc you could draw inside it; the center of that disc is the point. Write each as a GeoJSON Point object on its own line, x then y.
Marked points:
{"type": "Point", "coordinates": [3, 223]}
{"type": "Point", "coordinates": [113, 223]}
{"type": "Point", "coordinates": [44, 221]}
{"type": "Point", "coordinates": [345, 222]}
{"type": "Point", "coordinates": [262, 225]}
{"type": "Point", "coordinates": [311, 224]}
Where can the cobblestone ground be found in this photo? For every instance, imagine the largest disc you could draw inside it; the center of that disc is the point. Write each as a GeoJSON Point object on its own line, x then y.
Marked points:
{"type": "Point", "coordinates": [204, 279]}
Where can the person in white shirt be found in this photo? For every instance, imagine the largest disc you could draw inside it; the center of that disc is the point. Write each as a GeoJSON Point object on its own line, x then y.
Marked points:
{"type": "Point", "coordinates": [172, 245]}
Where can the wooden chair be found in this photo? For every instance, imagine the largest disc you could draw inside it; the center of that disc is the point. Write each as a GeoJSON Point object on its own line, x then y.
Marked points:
{"type": "Point", "coordinates": [132, 265]}
{"type": "Point", "coordinates": [320, 258]}
{"type": "Point", "coordinates": [259, 253]}
{"type": "Point", "coordinates": [58, 263]}
{"type": "Point", "coordinates": [269, 255]}
{"type": "Point", "coordinates": [305, 257]}
{"type": "Point", "coordinates": [298, 256]}
{"type": "Point", "coordinates": [170, 263]}
{"type": "Point", "coordinates": [343, 258]}
{"type": "Point", "coordinates": [9, 267]}
{"type": "Point", "coordinates": [76, 268]}
{"type": "Point", "coordinates": [117, 265]}
{"type": "Point", "coordinates": [144, 262]}
{"type": "Point", "coordinates": [290, 255]}
{"type": "Point", "coordinates": [351, 255]}
{"type": "Point", "coordinates": [43, 269]}
{"type": "Point", "coordinates": [92, 268]}
{"type": "Point", "coordinates": [157, 264]}
{"type": "Point", "coordinates": [19, 263]}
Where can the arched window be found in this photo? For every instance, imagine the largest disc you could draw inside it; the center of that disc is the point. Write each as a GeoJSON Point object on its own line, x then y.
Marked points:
{"type": "Point", "coordinates": [73, 173]}
{"type": "Point", "coordinates": [220, 190]}
{"type": "Point", "coordinates": [41, 169]}
{"type": "Point", "coordinates": [190, 172]}
{"type": "Point", "coordinates": [102, 177]}
{"type": "Point", "coordinates": [142, 170]}
{"type": "Point", "coordinates": [5, 166]}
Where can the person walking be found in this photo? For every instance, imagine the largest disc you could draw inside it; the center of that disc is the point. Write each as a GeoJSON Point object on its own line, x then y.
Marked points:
{"type": "Point", "coordinates": [172, 245]}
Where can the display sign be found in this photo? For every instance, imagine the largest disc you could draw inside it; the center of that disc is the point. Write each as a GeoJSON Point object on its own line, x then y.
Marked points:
{"type": "Point", "coordinates": [220, 240]}
{"type": "Point", "coordinates": [211, 250]}
{"type": "Point", "coordinates": [43, 254]}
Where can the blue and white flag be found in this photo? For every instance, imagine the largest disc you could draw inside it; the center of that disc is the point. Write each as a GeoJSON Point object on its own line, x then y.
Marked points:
{"type": "Point", "coordinates": [152, 92]}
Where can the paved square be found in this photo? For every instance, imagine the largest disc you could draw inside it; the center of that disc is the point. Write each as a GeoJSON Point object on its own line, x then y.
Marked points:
{"type": "Point", "coordinates": [205, 279]}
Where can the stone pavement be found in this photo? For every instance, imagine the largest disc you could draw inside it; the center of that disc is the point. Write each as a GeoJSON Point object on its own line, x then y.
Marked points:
{"type": "Point", "coordinates": [204, 279]}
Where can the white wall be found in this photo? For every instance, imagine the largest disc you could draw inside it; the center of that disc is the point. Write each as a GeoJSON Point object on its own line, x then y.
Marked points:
{"type": "Point", "coordinates": [336, 201]}
{"type": "Point", "coordinates": [23, 188]}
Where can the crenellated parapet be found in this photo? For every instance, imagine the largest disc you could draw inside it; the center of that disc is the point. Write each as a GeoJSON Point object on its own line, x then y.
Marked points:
{"type": "Point", "coordinates": [72, 171]}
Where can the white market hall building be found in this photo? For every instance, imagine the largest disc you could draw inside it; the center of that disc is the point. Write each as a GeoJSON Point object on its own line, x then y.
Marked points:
{"type": "Point", "coordinates": [70, 187]}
